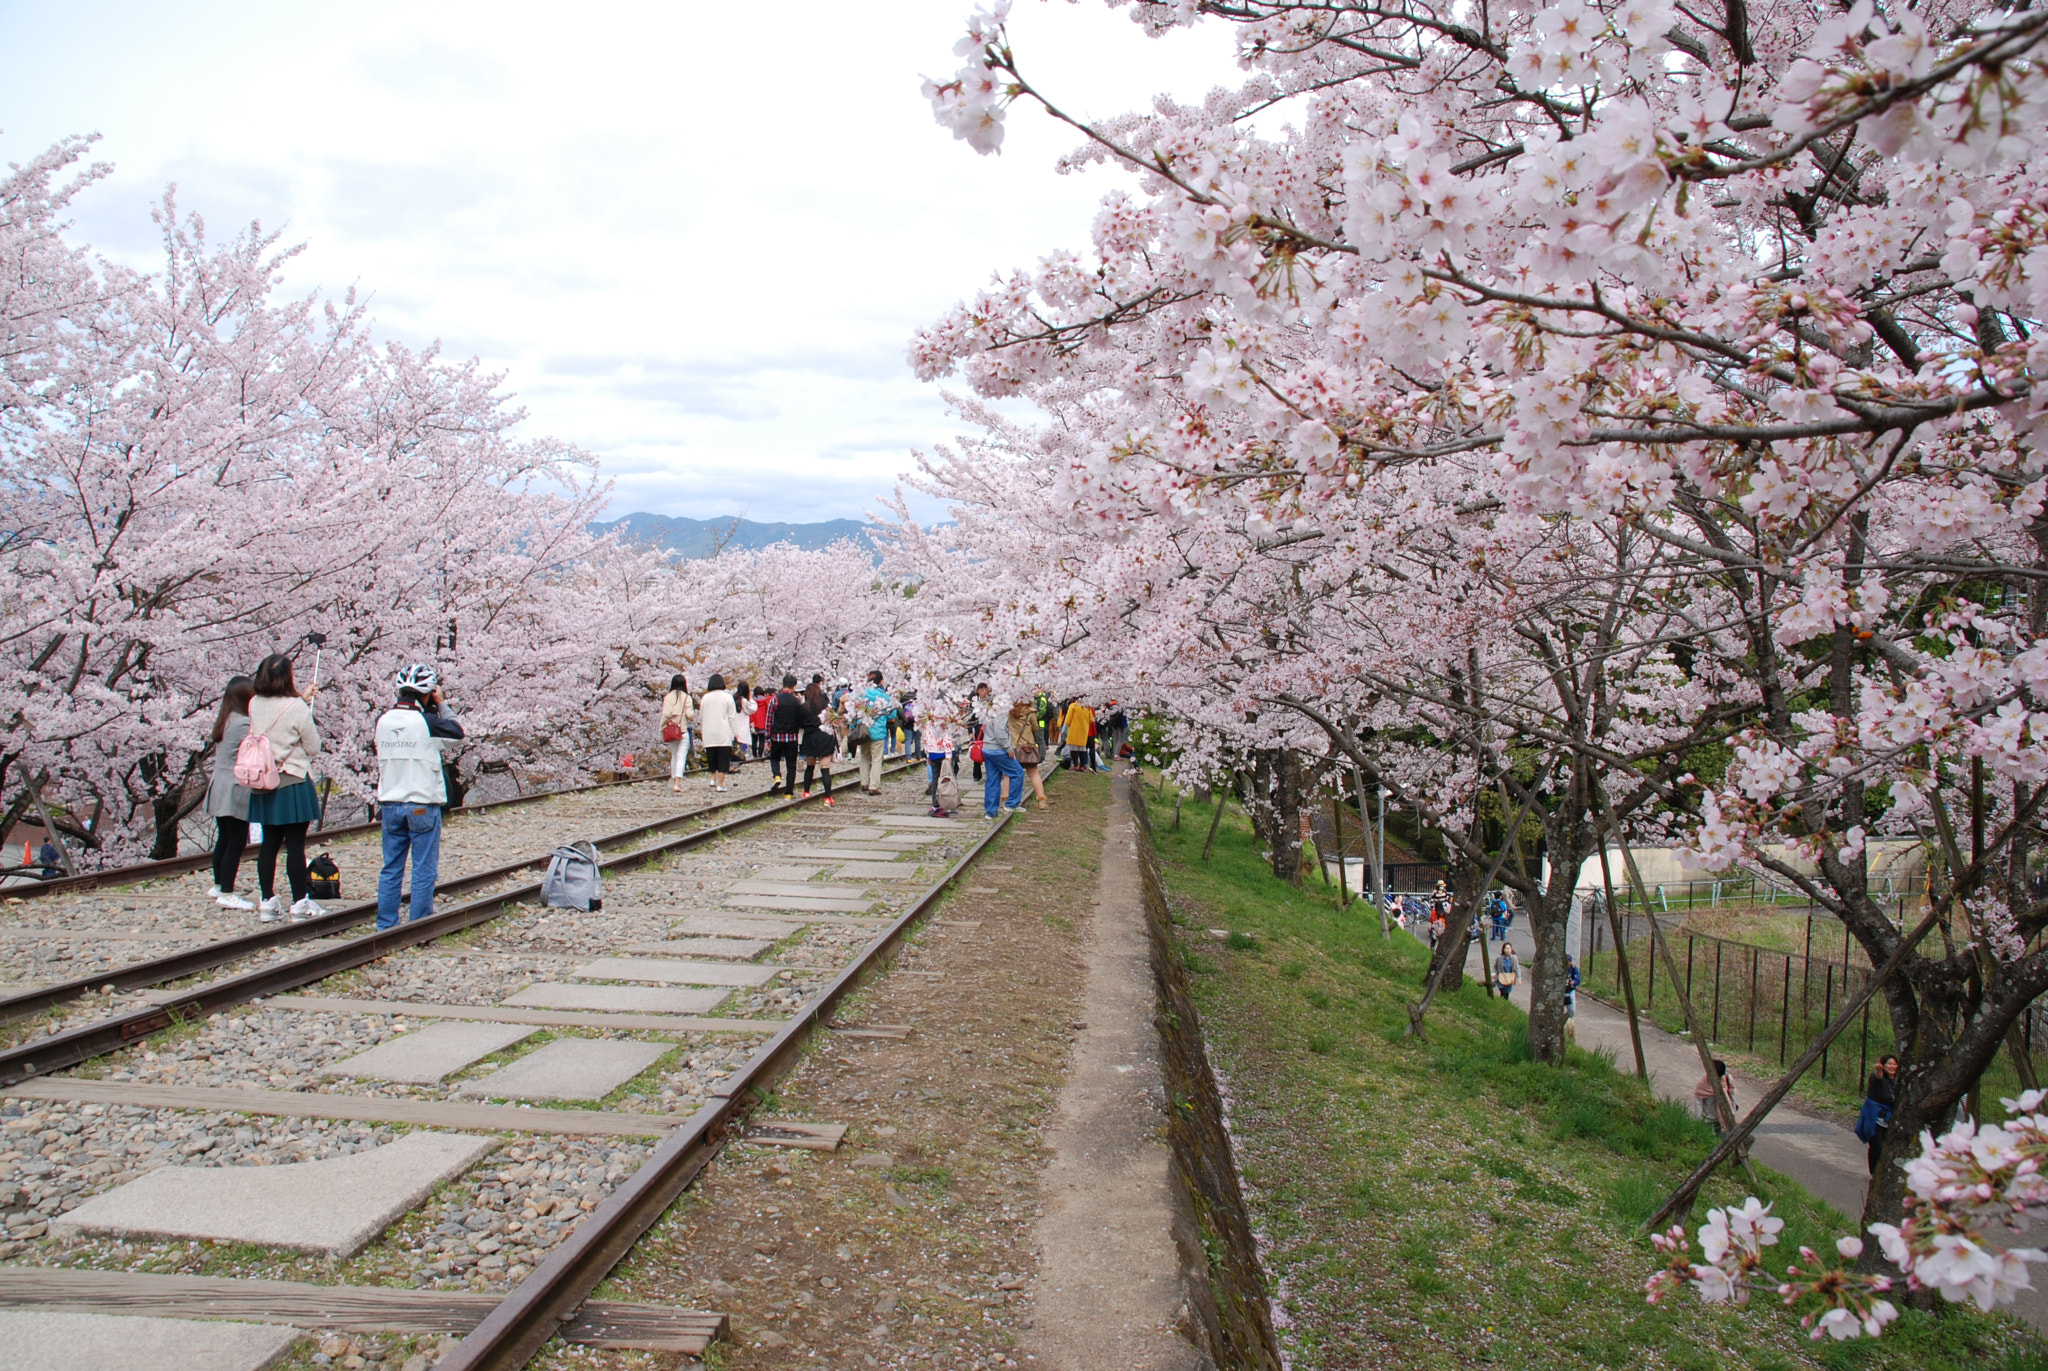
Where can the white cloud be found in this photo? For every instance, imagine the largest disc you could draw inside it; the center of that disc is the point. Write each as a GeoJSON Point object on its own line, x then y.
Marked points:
{"type": "Point", "coordinates": [696, 238]}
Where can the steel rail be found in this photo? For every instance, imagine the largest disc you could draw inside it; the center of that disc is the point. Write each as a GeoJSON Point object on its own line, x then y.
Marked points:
{"type": "Point", "coordinates": [59, 1051]}
{"type": "Point", "coordinates": [194, 861]}
{"type": "Point", "coordinates": [174, 966]}
{"type": "Point", "coordinates": [538, 1306]}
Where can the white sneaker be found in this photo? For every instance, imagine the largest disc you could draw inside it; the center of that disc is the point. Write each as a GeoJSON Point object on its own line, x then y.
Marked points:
{"type": "Point", "coordinates": [271, 909]}
{"type": "Point", "coordinates": [306, 909]}
{"type": "Point", "coordinates": [228, 899]}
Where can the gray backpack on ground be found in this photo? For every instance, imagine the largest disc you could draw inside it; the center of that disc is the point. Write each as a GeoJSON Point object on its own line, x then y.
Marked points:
{"type": "Point", "coordinates": [573, 881]}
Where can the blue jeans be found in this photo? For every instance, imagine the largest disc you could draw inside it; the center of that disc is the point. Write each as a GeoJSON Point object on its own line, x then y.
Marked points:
{"type": "Point", "coordinates": [998, 764]}
{"type": "Point", "coordinates": [416, 828]}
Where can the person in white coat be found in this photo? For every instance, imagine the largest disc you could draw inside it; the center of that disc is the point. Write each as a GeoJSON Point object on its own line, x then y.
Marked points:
{"type": "Point", "coordinates": [411, 790]}
{"type": "Point", "coordinates": [718, 722]}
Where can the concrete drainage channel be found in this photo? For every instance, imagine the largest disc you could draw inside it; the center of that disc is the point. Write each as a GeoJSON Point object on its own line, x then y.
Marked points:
{"type": "Point", "coordinates": [1219, 1257]}
{"type": "Point", "coordinates": [681, 1018]}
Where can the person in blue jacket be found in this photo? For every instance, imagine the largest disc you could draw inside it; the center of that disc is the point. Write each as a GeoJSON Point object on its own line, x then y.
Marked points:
{"type": "Point", "coordinates": [1874, 1125]}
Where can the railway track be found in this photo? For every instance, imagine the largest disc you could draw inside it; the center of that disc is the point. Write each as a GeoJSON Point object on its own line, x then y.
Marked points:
{"type": "Point", "coordinates": [19, 888]}
{"type": "Point", "coordinates": [126, 948]}
{"type": "Point", "coordinates": [550, 1080]}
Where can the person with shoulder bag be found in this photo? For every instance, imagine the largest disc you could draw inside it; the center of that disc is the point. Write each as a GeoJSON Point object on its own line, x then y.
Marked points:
{"type": "Point", "coordinates": [676, 715]}
{"type": "Point", "coordinates": [1024, 749]}
{"type": "Point", "coordinates": [275, 762]}
{"type": "Point", "coordinates": [997, 763]}
{"type": "Point", "coordinates": [227, 803]}
{"type": "Point", "coordinates": [820, 744]}
{"type": "Point", "coordinates": [871, 710]}
{"type": "Point", "coordinates": [412, 790]}
{"type": "Point", "coordinates": [1507, 973]}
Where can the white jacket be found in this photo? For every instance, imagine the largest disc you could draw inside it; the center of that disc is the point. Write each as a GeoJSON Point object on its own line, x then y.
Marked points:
{"type": "Point", "coordinates": [408, 760]}
{"type": "Point", "coordinates": [718, 719]}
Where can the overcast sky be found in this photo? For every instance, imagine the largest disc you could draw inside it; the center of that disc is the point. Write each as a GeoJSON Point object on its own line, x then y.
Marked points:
{"type": "Point", "coordinates": [696, 237]}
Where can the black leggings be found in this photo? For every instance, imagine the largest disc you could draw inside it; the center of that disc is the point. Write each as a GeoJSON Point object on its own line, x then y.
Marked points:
{"type": "Point", "coordinates": [292, 838]}
{"type": "Point", "coordinates": [812, 766]}
{"type": "Point", "coordinates": [230, 839]}
{"type": "Point", "coordinates": [782, 767]}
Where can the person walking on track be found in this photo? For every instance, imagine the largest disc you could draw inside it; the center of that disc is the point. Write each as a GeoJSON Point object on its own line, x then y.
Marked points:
{"type": "Point", "coordinates": [785, 736]}
{"type": "Point", "coordinates": [412, 790]}
{"type": "Point", "coordinates": [993, 717]}
{"type": "Point", "coordinates": [874, 709]}
{"type": "Point", "coordinates": [280, 713]}
{"type": "Point", "coordinates": [820, 742]}
{"type": "Point", "coordinates": [764, 700]}
{"type": "Point", "coordinates": [1024, 749]}
{"type": "Point", "coordinates": [227, 803]}
{"type": "Point", "coordinates": [718, 718]}
{"type": "Point", "coordinates": [743, 726]}
{"type": "Point", "coordinates": [677, 714]}
{"type": "Point", "coordinates": [936, 727]}
{"type": "Point", "coordinates": [1079, 723]}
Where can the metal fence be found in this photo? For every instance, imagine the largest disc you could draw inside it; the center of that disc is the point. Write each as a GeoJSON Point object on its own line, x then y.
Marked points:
{"type": "Point", "coordinates": [1765, 1001]}
{"type": "Point", "coordinates": [1747, 892]}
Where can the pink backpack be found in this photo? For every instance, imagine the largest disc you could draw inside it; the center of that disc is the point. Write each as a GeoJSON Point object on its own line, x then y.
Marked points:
{"type": "Point", "coordinates": [256, 764]}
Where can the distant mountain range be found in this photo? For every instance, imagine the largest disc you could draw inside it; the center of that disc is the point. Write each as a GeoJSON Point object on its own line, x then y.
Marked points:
{"type": "Point", "coordinates": [693, 538]}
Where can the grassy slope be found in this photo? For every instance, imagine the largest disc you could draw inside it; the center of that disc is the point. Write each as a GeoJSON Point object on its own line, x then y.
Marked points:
{"type": "Point", "coordinates": [1454, 1204]}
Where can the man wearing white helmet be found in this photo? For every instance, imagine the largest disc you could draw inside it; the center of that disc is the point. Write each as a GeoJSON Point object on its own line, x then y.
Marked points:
{"type": "Point", "coordinates": [411, 790]}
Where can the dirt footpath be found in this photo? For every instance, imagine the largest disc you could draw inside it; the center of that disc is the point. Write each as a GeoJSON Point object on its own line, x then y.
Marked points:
{"type": "Point", "coordinates": [913, 1246]}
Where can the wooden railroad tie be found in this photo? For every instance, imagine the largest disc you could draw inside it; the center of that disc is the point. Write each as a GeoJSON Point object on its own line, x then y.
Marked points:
{"type": "Point", "coordinates": [354, 1308]}
{"type": "Point", "coordinates": [894, 1032]}
{"type": "Point", "coordinates": [811, 1137]}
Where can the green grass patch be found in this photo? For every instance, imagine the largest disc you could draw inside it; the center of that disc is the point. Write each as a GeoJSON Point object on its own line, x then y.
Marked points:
{"type": "Point", "coordinates": [1453, 1203]}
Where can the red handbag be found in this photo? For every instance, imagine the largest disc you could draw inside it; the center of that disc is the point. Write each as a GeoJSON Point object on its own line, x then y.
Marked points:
{"type": "Point", "coordinates": [671, 733]}
{"type": "Point", "coordinates": [974, 753]}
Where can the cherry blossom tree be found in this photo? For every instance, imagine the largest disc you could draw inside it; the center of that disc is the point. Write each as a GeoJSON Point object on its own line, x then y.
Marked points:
{"type": "Point", "coordinates": [1749, 302]}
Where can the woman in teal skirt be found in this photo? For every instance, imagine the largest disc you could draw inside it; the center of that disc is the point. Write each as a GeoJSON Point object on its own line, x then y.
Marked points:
{"type": "Point", "coordinates": [278, 711]}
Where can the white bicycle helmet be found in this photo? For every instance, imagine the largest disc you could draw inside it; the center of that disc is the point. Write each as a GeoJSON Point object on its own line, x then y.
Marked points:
{"type": "Point", "coordinates": [419, 678]}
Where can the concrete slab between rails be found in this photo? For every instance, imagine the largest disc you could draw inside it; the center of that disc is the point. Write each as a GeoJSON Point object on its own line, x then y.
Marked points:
{"type": "Point", "coordinates": [677, 972]}
{"type": "Point", "coordinates": [794, 874]}
{"type": "Point", "coordinates": [776, 926]}
{"type": "Point", "coordinates": [799, 904]}
{"type": "Point", "coordinates": [351, 1308]}
{"type": "Point", "coordinates": [333, 1207]}
{"type": "Point", "coordinates": [55, 1340]}
{"type": "Point", "coordinates": [570, 1069]}
{"type": "Point", "coordinates": [841, 854]}
{"type": "Point", "coordinates": [629, 999]}
{"type": "Point", "coordinates": [816, 890]}
{"type": "Point", "coordinates": [546, 1018]}
{"type": "Point", "coordinates": [295, 1104]}
{"type": "Point", "coordinates": [1110, 1290]}
{"type": "Point", "coordinates": [876, 871]}
{"type": "Point", "coordinates": [738, 949]}
{"type": "Point", "coordinates": [424, 1057]}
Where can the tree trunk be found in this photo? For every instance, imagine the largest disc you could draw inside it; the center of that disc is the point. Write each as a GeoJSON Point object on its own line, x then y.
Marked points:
{"type": "Point", "coordinates": [164, 813]}
{"type": "Point", "coordinates": [1286, 822]}
{"type": "Point", "coordinates": [1454, 948]}
{"type": "Point", "coordinates": [1550, 927]}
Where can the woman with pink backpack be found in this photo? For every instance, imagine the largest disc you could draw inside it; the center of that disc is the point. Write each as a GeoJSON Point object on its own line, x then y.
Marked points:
{"type": "Point", "coordinates": [275, 762]}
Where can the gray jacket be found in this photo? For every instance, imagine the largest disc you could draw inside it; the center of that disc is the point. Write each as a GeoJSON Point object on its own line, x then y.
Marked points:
{"type": "Point", "coordinates": [225, 799]}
